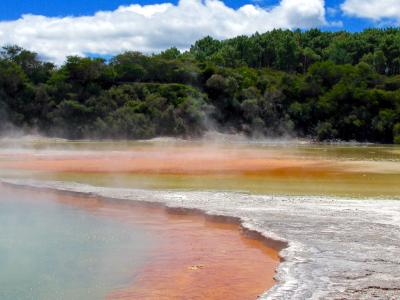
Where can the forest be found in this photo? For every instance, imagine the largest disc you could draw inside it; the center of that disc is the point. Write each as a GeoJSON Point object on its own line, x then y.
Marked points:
{"type": "Point", "coordinates": [324, 86]}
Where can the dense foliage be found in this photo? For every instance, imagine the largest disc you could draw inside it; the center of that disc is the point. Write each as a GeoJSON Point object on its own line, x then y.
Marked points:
{"type": "Point", "coordinates": [322, 85]}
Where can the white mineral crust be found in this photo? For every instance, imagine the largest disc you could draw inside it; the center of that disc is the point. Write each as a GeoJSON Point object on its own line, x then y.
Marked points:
{"type": "Point", "coordinates": [337, 248]}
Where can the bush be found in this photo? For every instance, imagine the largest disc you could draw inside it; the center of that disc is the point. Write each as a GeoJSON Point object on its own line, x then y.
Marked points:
{"type": "Point", "coordinates": [396, 133]}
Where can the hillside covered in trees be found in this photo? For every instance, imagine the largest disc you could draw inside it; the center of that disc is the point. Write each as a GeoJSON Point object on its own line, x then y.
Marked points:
{"type": "Point", "coordinates": [314, 84]}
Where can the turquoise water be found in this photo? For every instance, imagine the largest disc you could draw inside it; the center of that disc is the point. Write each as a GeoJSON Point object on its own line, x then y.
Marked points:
{"type": "Point", "coordinates": [51, 250]}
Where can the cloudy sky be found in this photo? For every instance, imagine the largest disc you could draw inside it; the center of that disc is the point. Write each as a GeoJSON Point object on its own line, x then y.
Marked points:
{"type": "Point", "coordinates": [59, 28]}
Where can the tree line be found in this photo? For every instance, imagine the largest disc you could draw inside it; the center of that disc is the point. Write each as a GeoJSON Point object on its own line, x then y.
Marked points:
{"type": "Point", "coordinates": [313, 84]}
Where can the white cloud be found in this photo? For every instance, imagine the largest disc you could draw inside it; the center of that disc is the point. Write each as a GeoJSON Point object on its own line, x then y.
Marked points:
{"type": "Point", "coordinates": [151, 28]}
{"type": "Point", "coordinates": [373, 9]}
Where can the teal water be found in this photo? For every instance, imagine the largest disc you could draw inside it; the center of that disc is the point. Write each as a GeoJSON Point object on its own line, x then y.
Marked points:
{"type": "Point", "coordinates": [50, 250]}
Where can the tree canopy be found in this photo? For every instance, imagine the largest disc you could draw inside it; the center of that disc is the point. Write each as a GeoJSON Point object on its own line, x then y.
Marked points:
{"type": "Point", "coordinates": [314, 84]}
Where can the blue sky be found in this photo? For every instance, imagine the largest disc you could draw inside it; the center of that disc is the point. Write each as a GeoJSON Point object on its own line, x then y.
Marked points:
{"type": "Point", "coordinates": [13, 9]}
{"type": "Point", "coordinates": [59, 28]}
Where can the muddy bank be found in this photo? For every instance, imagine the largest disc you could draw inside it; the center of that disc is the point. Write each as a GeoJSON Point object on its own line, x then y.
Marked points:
{"type": "Point", "coordinates": [338, 248]}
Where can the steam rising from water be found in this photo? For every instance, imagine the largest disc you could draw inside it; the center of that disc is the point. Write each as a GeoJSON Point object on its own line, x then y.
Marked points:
{"type": "Point", "coordinates": [334, 249]}
{"type": "Point", "coordinates": [220, 162]}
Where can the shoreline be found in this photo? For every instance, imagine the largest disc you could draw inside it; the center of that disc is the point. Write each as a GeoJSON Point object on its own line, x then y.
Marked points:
{"type": "Point", "coordinates": [273, 243]}
{"type": "Point", "coordinates": [155, 208]}
{"type": "Point", "coordinates": [330, 247]}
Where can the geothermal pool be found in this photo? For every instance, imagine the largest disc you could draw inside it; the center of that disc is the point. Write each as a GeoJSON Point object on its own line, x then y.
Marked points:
{"type": "Point", "coordinates": [333, 212]}
{"type": "Point", "coordinates": [52, 250]}
{"type": "Point", "coordinates": [279, 168]}
{"type": "Point", "coordinates": [59, 246]}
